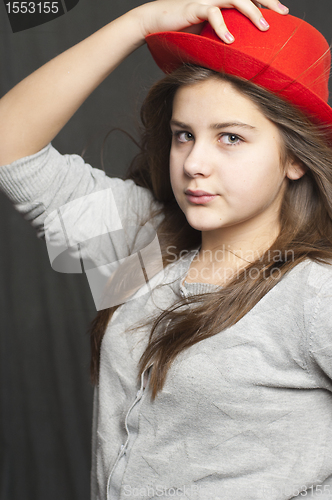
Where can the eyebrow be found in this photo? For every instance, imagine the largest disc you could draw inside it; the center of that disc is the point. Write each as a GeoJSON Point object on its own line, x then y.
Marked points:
{"type": "Point", "coordinates": [215, 126]}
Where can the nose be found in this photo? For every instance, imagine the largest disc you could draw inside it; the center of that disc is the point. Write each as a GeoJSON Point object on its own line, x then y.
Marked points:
{"type": "Point", "coordinates": [197, 161]}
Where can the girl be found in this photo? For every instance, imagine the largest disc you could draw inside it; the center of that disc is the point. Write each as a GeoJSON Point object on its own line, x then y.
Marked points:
{"type": "Point", "coordinates": [213, 371]}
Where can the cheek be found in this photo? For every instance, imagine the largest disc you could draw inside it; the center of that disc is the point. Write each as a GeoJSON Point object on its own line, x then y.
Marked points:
{"type": "Point", "coordinates": [174, 171]}
{"type": "Point", "coordinates": [252, 179]}
{"type": "Point", "coordinates": [171, 175]}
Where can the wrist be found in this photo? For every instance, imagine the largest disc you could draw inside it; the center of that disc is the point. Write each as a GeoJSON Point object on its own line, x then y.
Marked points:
{"type": "Point", "coordinates": [136, 25]}
{"type": "Point", "coordinates": [143, 17]}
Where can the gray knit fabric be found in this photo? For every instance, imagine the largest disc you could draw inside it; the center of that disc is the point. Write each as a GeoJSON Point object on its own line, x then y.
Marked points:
{"type": "Point", "coordinates": [243, 415]}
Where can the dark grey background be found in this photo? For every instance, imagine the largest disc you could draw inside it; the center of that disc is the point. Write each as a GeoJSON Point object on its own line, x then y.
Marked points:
{"type": "Point", "coordinates": [45, 393]}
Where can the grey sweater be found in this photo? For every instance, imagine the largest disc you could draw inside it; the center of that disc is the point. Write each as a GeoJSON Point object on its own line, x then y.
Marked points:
{"type": "Point", "coordinates": [243, 415]}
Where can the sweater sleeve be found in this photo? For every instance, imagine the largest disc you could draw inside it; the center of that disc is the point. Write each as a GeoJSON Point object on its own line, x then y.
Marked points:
{"type": "Point", "coordinates": [320, 336]}
{"type": "Point", "coordinates": [47, 181]}
{"type": "Point", "coordinates": [91, 223]}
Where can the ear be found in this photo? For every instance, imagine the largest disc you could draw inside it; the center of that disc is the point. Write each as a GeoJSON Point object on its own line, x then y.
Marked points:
{"type": "Point", "coordinates": [295, 169]}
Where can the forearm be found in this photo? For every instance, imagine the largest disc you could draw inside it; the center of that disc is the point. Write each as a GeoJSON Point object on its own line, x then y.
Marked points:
{"type": "Point", "coordinates": [35, 110]}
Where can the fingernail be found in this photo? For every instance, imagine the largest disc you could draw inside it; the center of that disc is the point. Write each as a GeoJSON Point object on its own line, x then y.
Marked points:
{"type": "Point", "coordinates": [229, 37]}
{"type": "Point", "coordinates": [283, 7]}
{"type": "Point", "coordinates": [264, 22]}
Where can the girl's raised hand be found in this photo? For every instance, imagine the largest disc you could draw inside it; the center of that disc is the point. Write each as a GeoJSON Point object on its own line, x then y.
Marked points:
{"type": "Point", "coordinates": [186, 15]}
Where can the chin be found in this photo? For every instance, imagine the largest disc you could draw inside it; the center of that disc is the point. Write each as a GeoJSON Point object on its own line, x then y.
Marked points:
{"type": "Point", "coordinates": [201, 219]}
{"type": "Point", "coordinates": [202, 226]}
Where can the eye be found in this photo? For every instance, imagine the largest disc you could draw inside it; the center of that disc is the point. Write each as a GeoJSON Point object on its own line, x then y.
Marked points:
{"type": "Point", "coordinates": [182, 136]}
{"type": "Point", "coordinates": [230, 139]}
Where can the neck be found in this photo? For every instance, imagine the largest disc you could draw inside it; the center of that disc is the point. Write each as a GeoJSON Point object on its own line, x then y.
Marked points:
{"type": "Point", "coordinates": [224, 252]}
{"type": "Point", "coordinates": [236, 243]}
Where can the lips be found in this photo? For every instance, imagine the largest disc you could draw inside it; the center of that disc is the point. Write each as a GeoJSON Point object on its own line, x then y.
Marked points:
{"type": "Point", "coordinates": [199, 197]}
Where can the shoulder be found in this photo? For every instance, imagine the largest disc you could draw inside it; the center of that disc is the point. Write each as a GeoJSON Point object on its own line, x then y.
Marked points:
{"type": "Point", "coordinates": [319, 323]}
{"type": "Point", "coordinates": [301, 291]}
{"type": "Point", "coordinates": [314, 289]}
{"type": "Point", "coordinates": [308, 278]}
{"type": "Point", "coordinates": [320, 275]}
{"type": "Point", "coordinates": [308, 283]}
{"type": "Point", "coordinates": [305, 298]}
{"type": "Point", "coordinates": [319, 291]}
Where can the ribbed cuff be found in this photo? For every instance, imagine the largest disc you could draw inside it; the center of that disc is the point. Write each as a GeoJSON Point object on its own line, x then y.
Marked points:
{"type": "Point", "coordinates": [25, 178]}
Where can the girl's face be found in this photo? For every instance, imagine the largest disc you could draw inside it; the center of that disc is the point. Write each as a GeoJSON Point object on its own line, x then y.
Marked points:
{"type": "Point", "coordinates": [225, 163]}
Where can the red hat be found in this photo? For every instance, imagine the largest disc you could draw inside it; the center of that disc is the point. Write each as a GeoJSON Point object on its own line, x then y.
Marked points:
{"type": "Point", "coordinates": [291, 59]}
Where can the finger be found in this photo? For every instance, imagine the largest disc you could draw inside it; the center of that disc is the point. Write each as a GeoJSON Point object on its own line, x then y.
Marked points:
{"type": "Point", "coordinates": [213, 15]}
{"type": "Point", "coordinates": [257, 4]}
{"type": "Point", "coordinates": [273, 5]}
{"type": "Point", "coordinates": [250, 10]}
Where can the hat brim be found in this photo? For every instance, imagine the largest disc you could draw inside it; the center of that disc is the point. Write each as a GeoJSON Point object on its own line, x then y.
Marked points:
{"type": "Point", "coordinates": [173, 49]}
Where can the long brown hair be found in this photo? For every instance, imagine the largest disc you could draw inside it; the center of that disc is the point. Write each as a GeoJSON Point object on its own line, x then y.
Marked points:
{"type": "Point", "coordinates": [305, 221]}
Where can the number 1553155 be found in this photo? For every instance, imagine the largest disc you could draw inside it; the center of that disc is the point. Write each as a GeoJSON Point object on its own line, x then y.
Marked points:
{"type": "Point", "coordinates": [32, 7]}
